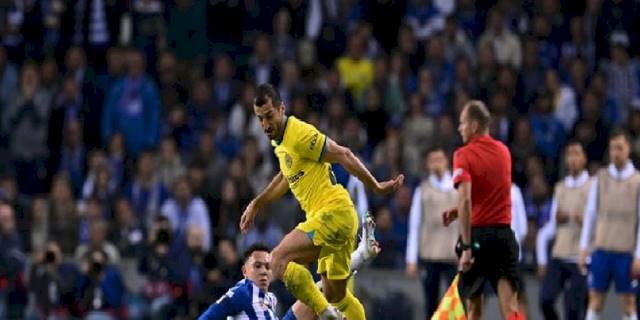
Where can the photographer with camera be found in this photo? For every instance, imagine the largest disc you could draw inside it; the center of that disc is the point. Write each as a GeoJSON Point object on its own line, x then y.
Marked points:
{"type": "Point", "coordinates": [164, 286]}
{"type": "Point", "coordinates": [100, 288]}
{"type": "Point", "coordinates": [51, 284]}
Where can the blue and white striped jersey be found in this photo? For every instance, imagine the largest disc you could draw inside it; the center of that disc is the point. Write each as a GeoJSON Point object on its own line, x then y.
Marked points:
{"type": "Point", "coordinates": [245, 301]}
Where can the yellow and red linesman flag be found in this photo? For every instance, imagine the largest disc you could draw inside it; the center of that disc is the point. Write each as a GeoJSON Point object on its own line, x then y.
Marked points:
{"type": "Point", "coordinates": [450, 307]}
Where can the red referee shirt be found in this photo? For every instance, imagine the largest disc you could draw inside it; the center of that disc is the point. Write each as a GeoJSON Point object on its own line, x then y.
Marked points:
{"type": "Point", "coordinates": [486, 163]}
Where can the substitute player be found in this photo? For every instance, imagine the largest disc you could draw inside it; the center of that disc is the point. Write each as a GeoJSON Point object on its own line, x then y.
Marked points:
{"type": "Point", "coordinates": [612, 210]}
{"type": "Point", "coordinates": [562, 274]}
{"type": "Point", "coordinates": [482, 175]}
{"type": "Point", "coordinates": [328, 234]}
{"type": "Point", "coordinates": [429, 244]}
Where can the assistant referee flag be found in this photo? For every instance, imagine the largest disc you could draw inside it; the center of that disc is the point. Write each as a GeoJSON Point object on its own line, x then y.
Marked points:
{"type": "Point", "coordinates": [450, 307]}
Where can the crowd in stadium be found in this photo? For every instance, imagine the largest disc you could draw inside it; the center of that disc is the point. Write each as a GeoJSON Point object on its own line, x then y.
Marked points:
{"type": "Point", "coordinates": [129, 142]}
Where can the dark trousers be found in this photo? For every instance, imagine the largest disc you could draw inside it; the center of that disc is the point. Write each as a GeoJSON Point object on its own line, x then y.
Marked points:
{"type": "Point", "coordinates": [564, 277]}
{"type": "Point", "coordinates": [434, 272]}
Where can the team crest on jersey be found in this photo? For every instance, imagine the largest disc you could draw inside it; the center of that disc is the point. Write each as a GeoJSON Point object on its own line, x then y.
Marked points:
{"type": "Point", "coordinates": [287, 160]}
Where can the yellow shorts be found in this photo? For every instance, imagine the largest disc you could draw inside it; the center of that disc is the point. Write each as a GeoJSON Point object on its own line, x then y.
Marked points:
{"type": "Point", "coordinates": [335, 232]}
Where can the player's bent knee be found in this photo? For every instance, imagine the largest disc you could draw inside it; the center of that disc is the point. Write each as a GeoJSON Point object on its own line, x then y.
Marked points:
{"type": "Point", "coordinates": [279, 261]}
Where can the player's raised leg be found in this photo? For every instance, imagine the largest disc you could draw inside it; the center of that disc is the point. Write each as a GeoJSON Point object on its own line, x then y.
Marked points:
{"type": "Point", "coordinates": [287, 258]}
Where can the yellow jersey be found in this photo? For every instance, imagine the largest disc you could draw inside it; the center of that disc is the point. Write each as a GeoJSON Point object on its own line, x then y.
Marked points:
{"type": "Point", "coordinates": [310, 179]}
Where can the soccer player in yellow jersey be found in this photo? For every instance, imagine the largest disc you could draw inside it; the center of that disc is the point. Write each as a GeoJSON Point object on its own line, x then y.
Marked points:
{"type": "Point", "coordinates": [328, 235]}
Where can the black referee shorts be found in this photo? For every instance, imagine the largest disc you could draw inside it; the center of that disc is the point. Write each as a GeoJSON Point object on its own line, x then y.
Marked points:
{"type": "Point", "coordinates": [495, 253]}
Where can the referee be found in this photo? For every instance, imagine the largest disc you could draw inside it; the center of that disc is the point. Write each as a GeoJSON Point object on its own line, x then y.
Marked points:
{"type": "Point", "coordinates": [487, 247]}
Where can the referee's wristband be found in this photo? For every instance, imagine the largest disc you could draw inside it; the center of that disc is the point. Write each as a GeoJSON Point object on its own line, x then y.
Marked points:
{"type": "Point", "coordinates": [464, 246]}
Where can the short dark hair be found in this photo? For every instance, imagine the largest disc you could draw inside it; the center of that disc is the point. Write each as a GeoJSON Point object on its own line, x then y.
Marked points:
{"type": "Point", "coordinates": [266, 92]}
{"type": "Point", "coordinates": [436, 148]}
{"type": "Point", "coordinates": [258, 246]}
{"type": "Point", "coordinates": [619, 132]}
{"type": "Point", "coordinates": [477, 111]}
{"type": "Point", "coordinates": [574, 142]}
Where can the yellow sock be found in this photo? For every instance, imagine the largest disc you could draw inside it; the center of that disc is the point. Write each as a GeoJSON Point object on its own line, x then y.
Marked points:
{"type": "Point", "coordinates": [351, 307]}
{"type": "Point", "coordinates": [300, 283]}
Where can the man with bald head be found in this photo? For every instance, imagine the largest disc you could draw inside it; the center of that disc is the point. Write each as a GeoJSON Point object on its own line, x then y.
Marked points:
{"type": "Point", "coordinates": [487, 246]}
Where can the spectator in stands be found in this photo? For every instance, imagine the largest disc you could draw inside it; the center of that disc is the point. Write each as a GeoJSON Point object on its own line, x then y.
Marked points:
{"type": "Point", "coordinates": [226, 90]}
{"type": "Point", "coordinates": [148, 30]}
{"type": "Point", "coordinates": [50, 78]}
{"type": "Point", "coordinates": [51, 282]}
{"type": "Point", "coordinates": [68, 107]}
{"type": "Point", "coordinates": [133, 108]}
{"type": "Point", "coordinates": [18, 202]}
{"type": "Point", "coordinates": [146, 192]}
{"type": "Point", "coordinates": [116, 159]}
{"type": "Point", "coordinates": [229, 262]}
{"type": "Point", "coordinates": [99, 288]}
{"type": "Point", "coordinates": [38, 232]}
{"type": "Point", "coordinates": [579, 45]}
{"type": "Point", "coordinates": [388, 257]}
{"type": "Point", "coordinates": [8, 79]}
{"type": "Point", "coordinates": [374, 117]}
{"type": "Point", "coordinates": [426, 17]}
{"type": "Point", "coordinates": [548, 132]}
{"type": "Point", "coordinates": [265, 231]}
{"type": "Point", "coordinates": [531, 75]}
{"type": "Point", "coordinates": [201, 106]}
{"type": "Point", "coordinates": [456, 42]}
{"type": "Point", "coordinates": [622, 77]}
{"type": "Point", "coordinates": [261, 66]}
{"type": "Point", "coordinates": [441, 70]}
{"type": "Point", "coordinates": [63, 211]}
{"type": "Point", "coordinates": [72, 154]}
{"type": "Point", "coordinates": [418, 133]}
{"type": "Point", "coordinates": [25, 121]}
{"type": "Point", "coordinates": [13, 296]}
{"type": "Point", "coordinates": [506, 45]}
{"type": "Point", "coordinates": [184, 210]}
{"type": "Point", "coordinates": [98, 231]}
{"type": "Point", "coordinates": [169, 163]}
{"type": "Point", "coordinates": [284, 44]}
{"type": "Point", "coordinates": [171, 85]}
{"type": "Point", "coordinates": [356, 71]}
{"type": "Point", "coordinates": [563, 98]}
{"type": "Point", "coordinates": [290, 84]}
{"type": "Point", "coordinates": [501, 126]}
{"type": "Point", "coordinates": [127, 233]}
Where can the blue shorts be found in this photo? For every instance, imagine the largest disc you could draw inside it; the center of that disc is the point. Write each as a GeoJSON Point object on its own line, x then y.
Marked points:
{"type": "Point", "coordinates": [606, 266]}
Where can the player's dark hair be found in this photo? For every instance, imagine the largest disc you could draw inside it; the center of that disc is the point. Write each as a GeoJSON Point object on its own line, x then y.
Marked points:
{"type": "Point", "coordinates": [258, 246]}
{"type": "Point", "coordinates": [619, 132]}
{"type": "Point", "coordinates": [477, 111]}
{"type": "Point", "coordinates": [266, 92]}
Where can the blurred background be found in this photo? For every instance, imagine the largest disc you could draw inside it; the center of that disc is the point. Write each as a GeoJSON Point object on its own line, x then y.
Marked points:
{"type": "Point", "coordinates": [128, 146]}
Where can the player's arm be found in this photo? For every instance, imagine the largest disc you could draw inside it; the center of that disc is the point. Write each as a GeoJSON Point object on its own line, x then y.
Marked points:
{"type": "Point", "coordinates": [588, 224]}
{"type": "Point", "coordinates": [335, 153]}
{"type": "Point", "coordinates": [275, 190]}
{"type": "Point", "coordinates": [464, 211]}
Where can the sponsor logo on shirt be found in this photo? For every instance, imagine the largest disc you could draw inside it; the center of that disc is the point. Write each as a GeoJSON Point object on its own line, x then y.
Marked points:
{"type": "Point", "coordinates": [314, 140]}
{"type": "Point", "coordinates": [294, 178]}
